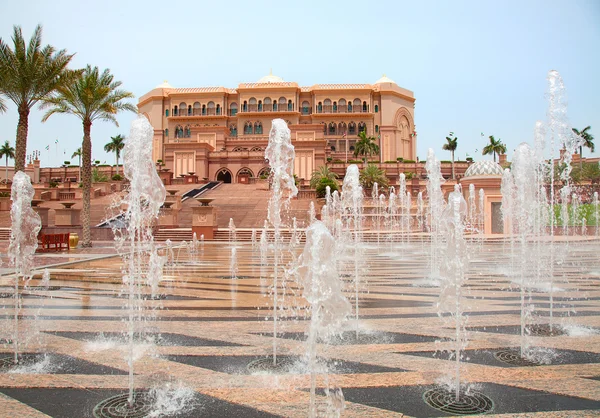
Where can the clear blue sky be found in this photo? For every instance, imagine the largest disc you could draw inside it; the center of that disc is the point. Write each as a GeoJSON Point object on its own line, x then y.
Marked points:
{"type": "Point", "coordinates": [475, 66]}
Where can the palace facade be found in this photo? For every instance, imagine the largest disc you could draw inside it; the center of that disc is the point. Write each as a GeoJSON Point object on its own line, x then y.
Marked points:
{"type": "Point", "coordinates": [219, 133]}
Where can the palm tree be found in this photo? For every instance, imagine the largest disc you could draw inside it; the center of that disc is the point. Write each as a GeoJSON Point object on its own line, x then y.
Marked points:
{"type": "Point", "coordinates": [78, 155]}
{"type": "Point", "coordinates": [365, 146]}
{"type": "Point", "coordinates": [494, 147]}
{"type": "Point", "coordinates": [92, 96]}
{"type": "Point", "coordinates": [323, 173]}
{"type": "Point", "coordinates": [2, 106]}
{"type": "Point", "coordinates": [28, 74]}
{"type": "Point", "coordinates": [115, 145]}
{"type": "Point", "coordinates": [8, 152]}
{"type": "Point", "coordinates": [370, 175]}
{"type": "Point", "coordinates": [451, 145]}
{"type": "Point", "coordinates": [588, 141]}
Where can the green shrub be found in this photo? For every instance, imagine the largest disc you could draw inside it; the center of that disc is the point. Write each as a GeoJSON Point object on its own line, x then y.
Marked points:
{"type": "Point", "coordinates": [409, 175]}
{"type": "Point", "coordinates": [53, 184]}
{"type": "Point", "coordinates": [470, 159]}
{"type": "Point", "coordinates": [4, 194]}
{"type": "Point", "coordinates": [446, 162]}
{"type": "Point", "coordinates": [98, 177]}
{"type": "Point", "coordinates": [409, 161]}
{"type": "Point", "coordinates": [400, 159]}
{"type": "Point", "coordinates": [322, 187]}
{"type": "Point", "coordinates": [337, 161]}
{"type": "Point", "coordinates": [117, 177]}
{"type": "Point", "coordinates": [389, 162]}
{"type": "Point", "coordinates": [329, 159]}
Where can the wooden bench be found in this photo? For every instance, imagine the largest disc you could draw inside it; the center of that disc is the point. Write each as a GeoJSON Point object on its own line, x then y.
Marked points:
{"type": "Point", "coordinates": [53, 242]}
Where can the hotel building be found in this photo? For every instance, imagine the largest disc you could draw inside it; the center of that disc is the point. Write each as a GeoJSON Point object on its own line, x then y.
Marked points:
{"type": "Point", "coordinates": [220, 133]}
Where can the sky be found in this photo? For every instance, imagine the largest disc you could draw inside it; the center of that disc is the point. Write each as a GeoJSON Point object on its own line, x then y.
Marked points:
{"type": "Point", "coordinates": [474, 66]}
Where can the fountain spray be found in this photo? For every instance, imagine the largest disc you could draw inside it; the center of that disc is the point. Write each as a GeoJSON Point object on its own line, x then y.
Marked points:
{"type": "Point", "coordinates": [280, 154]}
{"type": "Point", "coordinates": [25, 226]}
{"type": "Point", "coordinates": [146, 196]}
{"type": "Point", "coordinates": [329, 308]}
{"type": "Point", "coordinates": [352, 197]}
{"type": "Point", "coordinates": [453, 273]}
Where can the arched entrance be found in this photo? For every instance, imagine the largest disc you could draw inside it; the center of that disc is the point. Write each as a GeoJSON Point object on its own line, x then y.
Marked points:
{"type": "Point", "coordinates": [224, 175]}
{"type": "Point", "coordinates": [244, 175]}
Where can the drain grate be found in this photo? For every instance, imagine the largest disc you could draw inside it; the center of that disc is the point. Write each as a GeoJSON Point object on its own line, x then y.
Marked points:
{"type": "Point", "coordinates": [265, 365]}
{"type": "Point", "coordinates": [472, 403]}
{"type": "Point", "coordinates": [545, 330]}
{"type": "Point", "coordinates": [513, 357]}
{"type": "Point", "coordinates": [118, 407]}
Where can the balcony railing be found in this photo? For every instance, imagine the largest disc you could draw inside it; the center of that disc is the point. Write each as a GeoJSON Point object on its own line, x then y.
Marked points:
{"type": "Point", "coordinates": [197, 112]}
{"type": "Point", "coordinates": [341, 109]}
{"type": "Point", "coordinates": [272, 107]}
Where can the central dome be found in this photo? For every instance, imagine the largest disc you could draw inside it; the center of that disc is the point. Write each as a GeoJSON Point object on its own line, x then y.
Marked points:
{"type": "Point", "coordinates": [484, 168]}
{"type": "Point", "coordinates": [271, 79]}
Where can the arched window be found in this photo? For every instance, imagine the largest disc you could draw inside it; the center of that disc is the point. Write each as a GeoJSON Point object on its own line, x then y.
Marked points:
{"type": "Point", "coordinates": [167, 112]}
{"type": "Point", "coordinates": [175, 111]}
{"type": "Point", "coordinates": [320, 108]}
{"type": "Point", "coordinates": [204, 109]}
{"type": "Point", "coordinates": [237, 149]}
{"type": "Point", "coordinates": [218, 109]}
{"type": "Point", "coordinates": [196, 108]}
{"type": "Point", "coordinates": [190, 110]}
{"type": "Point", "coordinates": [352, 128]}
{"type": "Point", "coordinates": [376, 128]}
{"type": "Point", "coordinates": [258, 128]}
{"type": "Point", "coordinates": [268, 104]}
{"type": "Point", "coordinates": [334, 107]}
{"type": "Point", "coordinates": [324, 128]}
{"type": "Point", "coordinates": [326, 102]}
{"type": "Point", "coordinates": [256, 149]}
{"type": "Point", "coordinates": [333, 148]}
{"type": "Point", "coordinates": [233, 109]}
{"type": "Point", "coordinates": [351, 147]}
{"type": "Point", "coordinates": [244, 172]}
{"type": "Point", "coordinates": [248, 128]}
{"type": "Point", "coordinates": [332, 129]}
{"type": "Point", "coordinates": [349, 107]}
{"type": "Point", "coordinates": [245, 106]}
{"type": "Point", "coordinates": [264, 172]}
{"type": "Point", "coordinates": [182, 108]}
{"type": "Point", "coordinates": [305, 107]}
{"type": "Point", "coordinates": [362, 127]}
{"type": "Point", "coordinates": [166, 133]}
{"type": "Point", "coordinates": [342, 102]}
{"type": "Point", "coordinates": [290, 106]}
{"type": "Point", "coordinates": [252, 101]}
{"type": "Point", "coordinates": [282, 100]}
{"type": "Point", "coordinates": [188, 131]}
{"type": "Point", "coordinates": [326, 106]}
{"type": "Point", "coordinates": [260, 107]}
{"type": "Point", "coordinates": [365, 107]}
{"type": "Point", "coordinates": [252, 105]}
{"type": "Point", "coordinates": [178, 131]}
{"type": "Point", "coordinates": [342, 128]}
{"type": "Point", "coordinates": [376, 108]}
{"type": "Point", "coordinates": [232, 130]}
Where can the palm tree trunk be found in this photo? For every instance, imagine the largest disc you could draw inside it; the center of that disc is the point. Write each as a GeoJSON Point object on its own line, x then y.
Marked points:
{"type": "Point", "coordinates": [494, 156]}
{"type": "Point", "coordinates": [21, 142]}
{"type": "Point", "coordinates": [453, 166]}
{"type": "Point", "coordinates": [86, 172]}
{"type": "Point", "coordinates": [7, 169]}
{"type": "Point", "coordinates": [117, 164]}
{"type": "Point", "coordinates": [580, 158]}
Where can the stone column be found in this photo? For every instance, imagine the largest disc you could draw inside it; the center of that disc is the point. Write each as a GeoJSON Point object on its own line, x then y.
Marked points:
{"type": "Point", "coordinates": [169, 216]}
{"type": "Point", "coordinates": [204, 219]}
{"type": "Point", "coordinates": [67, 217]}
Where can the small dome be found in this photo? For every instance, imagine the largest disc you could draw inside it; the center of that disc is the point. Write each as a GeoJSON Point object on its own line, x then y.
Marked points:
{"type": "Point", "coordinates": [271, 79]}
{"type": "Point", "coordinates": [385, 79]}
{"type": "Point", "coordinates": [164, 85]}
{"type": "Point", "coordinates": [484, 168]}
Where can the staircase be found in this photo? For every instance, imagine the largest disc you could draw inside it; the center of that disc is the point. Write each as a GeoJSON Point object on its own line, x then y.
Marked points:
{"type": "Point", "coordinates": [4, 234]}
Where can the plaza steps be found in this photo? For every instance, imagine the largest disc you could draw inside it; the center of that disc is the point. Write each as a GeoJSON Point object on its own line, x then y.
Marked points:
{"type": "Point", "coordinates": [4, 234]}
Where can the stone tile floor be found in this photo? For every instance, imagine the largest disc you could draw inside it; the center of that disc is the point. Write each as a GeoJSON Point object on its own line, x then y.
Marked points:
{"type": "Point", "coordinates": [211, 326]}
